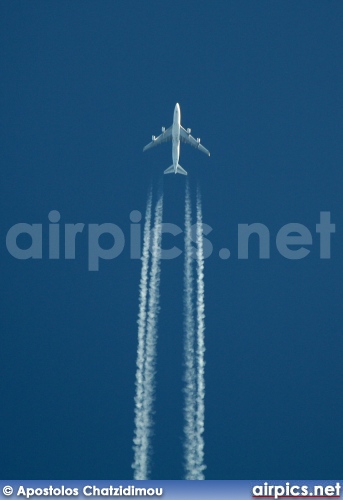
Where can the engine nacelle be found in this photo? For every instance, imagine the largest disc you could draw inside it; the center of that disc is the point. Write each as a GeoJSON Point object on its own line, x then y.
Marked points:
{"type": "Point", "coordinates": [153, 137]}
{"type": "Point", "coordinates": [189, 130]}
{"type": "Point", "coordinates": [198, 140]}
{"type": "Point", "coordinates": [163, 129]}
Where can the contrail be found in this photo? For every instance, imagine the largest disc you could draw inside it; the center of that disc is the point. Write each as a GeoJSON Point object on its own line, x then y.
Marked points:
{"type": "Point", "coordinates": [189, 352]}
{"type": "Point", "coordinates": [142, 316]}
{"type": "Point", "coordinates": [200, 350]}
{"type": "Point", "coordinates": [142, 466]}
{"type": "Point", "coordinates": [194, 341]}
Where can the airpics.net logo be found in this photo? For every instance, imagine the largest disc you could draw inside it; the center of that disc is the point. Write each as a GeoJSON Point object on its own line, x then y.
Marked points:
{"type": "Point", "coordinates": [288, 490]}
{"type": "Point", "coordinates": [107, 241]}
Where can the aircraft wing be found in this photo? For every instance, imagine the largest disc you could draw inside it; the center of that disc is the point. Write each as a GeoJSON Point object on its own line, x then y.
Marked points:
{"type": "Point", "coordinates": [186, 137]}
{"type": "Point", "coordinates": [164, 137]}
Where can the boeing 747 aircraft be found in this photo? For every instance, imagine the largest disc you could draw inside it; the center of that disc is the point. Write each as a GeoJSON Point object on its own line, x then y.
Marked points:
{"type": "Point", "coordinates": [176, 133]}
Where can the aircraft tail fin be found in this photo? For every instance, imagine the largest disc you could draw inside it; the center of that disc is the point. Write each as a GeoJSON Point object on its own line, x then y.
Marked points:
{"type": "Point", "coordinates": [179, 170]}
{"type": "Point", "coordinates": [169, 170]}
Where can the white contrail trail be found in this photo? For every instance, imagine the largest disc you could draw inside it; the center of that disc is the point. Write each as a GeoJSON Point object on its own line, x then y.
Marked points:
{"type": "Point", "coordinates": [142, 471]}
{"type": "Point", "coordinates": [194, 344]}
{"type": "Point", "coordinates": [200, 350]}
{"type": "Point", "coordinates": [189, 352]}
{"type": "Point", "coordinates": [142, 316]}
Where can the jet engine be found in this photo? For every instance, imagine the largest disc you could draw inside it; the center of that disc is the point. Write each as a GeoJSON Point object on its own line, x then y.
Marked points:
{"type": "Point", "coordinates": [163, 129]}
{"type": "Point", "coordinates": [153, 137]}
{"type": "Point", "coordinates": [189, 130]}
{"type": "Point", "coordinates": [198, 140]}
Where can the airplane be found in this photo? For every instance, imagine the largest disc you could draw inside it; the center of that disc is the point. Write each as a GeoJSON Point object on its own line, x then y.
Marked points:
{"type": "Point", "coordinates": [176, 133]}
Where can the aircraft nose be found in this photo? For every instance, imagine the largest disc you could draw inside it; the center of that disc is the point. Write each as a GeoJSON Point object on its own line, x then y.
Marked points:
{"type": "Point", "coordinates": [177, 106]}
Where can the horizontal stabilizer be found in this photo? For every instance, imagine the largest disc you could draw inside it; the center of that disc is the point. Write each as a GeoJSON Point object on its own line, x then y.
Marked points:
{"type": "Point", "coordinates": [180, 170]}
{"type": "Point", "coordinates": [169, 170]}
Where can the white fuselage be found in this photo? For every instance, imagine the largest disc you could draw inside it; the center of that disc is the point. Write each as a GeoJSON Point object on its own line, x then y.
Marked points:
{"type": "Point", "coordinates": [176, 135]}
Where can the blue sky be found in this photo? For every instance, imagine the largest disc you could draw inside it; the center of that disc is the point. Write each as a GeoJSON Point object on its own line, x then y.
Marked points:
{"type": "Point", "coordinates": [84, 86]}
